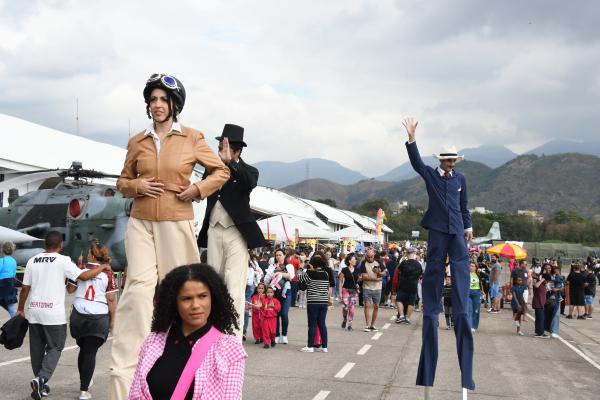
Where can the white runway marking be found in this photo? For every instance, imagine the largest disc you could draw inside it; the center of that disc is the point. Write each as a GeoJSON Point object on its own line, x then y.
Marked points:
{"type": "Point", "coordinates": [377, 336]}
{"type": "Point", "coordinates": [363, 350]}
{"type": "Point", "coordinates": [386, 326]}
{"type": "Point", "coordinates": [345, 369]}
{"type": "Point", "coordinates": [18, 360]}
{"type": "Point", "coordinates": [322, 395]}
{"type": "Point", "coordinates": [575, 349]}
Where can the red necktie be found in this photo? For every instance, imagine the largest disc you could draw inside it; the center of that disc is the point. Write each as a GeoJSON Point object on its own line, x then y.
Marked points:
{"type": "Point", "coordinates": [446, 175]}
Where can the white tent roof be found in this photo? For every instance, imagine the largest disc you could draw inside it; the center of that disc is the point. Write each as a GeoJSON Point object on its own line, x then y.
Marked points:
{"type": "Point", "coordinates": [363, 221]}
{"type": "Point", "coordinates": [274, 202]}
{"type": "Point", "coordinates": [332, 214]}
{"type": "Point", "coordinates": [30, 145]}
{"type": "Point", "coordinates": [355, 233]}
{"type": "Point", "coordinates": [306, 229]}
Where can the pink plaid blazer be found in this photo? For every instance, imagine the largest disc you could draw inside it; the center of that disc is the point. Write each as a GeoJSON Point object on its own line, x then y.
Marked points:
{"type": "Point", "coordinates": [220, 377]}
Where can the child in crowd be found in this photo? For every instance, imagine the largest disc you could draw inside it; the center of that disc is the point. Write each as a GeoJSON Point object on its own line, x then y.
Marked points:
{"type": "Point", "coordinates": [271, 308]}
{"type": "Point", "coordinates": [257, 313]}
{"type": "Point", "coordinates": [301, 300]}
{"type": "Point", "coordinates": [517, 303]}
{"type": "Point", "coordinates": [276, 284]}
{"type": "Point", "coordinates": [447, 295]}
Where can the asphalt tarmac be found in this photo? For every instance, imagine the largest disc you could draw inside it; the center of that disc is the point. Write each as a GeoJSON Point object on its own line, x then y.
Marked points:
{"type": "Point", "coordinates": [383, 365]}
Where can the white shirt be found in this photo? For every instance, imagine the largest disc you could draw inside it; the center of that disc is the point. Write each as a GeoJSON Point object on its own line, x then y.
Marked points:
{"type": "Point", "coordinates": [442, 172]}
{"type": "Point", "coordinates": [46, 274]}
{"type": "Point", "coordinates": [90, 297]}
{"type": "Point", "coordinates": [176, 126]}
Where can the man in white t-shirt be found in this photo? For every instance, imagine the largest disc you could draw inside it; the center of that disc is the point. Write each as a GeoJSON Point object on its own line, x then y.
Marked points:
{"type": "Point", "coordinates": [44, 286]}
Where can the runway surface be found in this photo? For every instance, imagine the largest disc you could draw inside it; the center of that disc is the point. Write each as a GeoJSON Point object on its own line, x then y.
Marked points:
{"type": "Point", "coordinates": [381, 365]}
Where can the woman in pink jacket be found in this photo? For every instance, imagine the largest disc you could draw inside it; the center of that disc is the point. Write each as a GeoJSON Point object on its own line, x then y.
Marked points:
{"type": "Point", "coordinates": [190, 301]}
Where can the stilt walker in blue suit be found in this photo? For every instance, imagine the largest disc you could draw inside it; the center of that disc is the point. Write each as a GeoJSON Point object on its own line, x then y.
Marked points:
{"type": "Point", "coordinates": [448, 221]}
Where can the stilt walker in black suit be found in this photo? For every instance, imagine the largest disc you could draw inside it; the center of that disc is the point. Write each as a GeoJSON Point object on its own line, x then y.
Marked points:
{"type": "Point", "coordinates": [229, 228]}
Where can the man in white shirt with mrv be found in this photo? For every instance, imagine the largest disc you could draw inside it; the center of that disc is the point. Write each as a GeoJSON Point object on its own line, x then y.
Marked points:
{"type": "Point", "coordinates": [44, 285]}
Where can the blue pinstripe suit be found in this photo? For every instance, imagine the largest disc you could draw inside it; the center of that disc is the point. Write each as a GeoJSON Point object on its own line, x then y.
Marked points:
{"type": "Point", "coordinates": [446, 219]}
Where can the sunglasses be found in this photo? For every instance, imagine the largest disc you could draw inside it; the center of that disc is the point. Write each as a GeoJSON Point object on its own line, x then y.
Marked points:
{"type": "Point", "coordinates": [165, 79]}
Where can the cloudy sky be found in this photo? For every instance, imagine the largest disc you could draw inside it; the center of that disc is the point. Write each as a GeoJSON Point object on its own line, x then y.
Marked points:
{"type": "Point", "coordinates": [330, 79]}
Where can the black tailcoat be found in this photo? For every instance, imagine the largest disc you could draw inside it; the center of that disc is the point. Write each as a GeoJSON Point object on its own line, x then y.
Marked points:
{"type": "Point", "coordinates": [235, 198]}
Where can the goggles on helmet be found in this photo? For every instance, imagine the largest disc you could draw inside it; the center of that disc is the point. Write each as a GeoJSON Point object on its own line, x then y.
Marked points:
{"type": "Point", "coordinates": [165, 79]}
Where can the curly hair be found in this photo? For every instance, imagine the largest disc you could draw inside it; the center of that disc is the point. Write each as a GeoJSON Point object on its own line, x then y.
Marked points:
{"type": "Point", "coordinates": [222, 315]}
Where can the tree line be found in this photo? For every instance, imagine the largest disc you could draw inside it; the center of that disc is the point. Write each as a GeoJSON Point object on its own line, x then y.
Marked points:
{"type": "Point", "coordinates": [562, 226]}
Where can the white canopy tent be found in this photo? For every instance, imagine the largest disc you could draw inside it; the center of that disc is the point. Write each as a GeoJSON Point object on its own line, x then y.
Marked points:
{"type": "Point", "coordinates": [284, 228]}
{"type": "Point", "coordinates": [355, 233]}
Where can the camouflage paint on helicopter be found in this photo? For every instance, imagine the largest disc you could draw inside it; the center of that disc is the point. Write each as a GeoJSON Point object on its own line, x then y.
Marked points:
{"type": "Point", "coordinates": [80, 210]}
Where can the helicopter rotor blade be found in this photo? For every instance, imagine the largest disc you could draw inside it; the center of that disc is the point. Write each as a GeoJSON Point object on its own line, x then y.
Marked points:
{"type": "Point", "coordinates": [18, 181]}
{"type": "Point", "coordinates": [11, 173]}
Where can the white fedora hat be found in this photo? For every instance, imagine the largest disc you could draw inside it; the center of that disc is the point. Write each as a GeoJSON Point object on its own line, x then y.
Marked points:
{"type": "Point", "coordinates": [449, 152]}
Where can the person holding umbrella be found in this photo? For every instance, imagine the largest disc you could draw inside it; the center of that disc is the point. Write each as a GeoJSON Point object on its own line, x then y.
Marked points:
{"type": "Point", "coordinates": [449, 223]}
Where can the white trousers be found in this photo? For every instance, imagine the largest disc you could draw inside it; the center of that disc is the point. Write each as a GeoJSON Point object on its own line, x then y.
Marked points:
{"type": "Point", "coordinates": [227, 253]}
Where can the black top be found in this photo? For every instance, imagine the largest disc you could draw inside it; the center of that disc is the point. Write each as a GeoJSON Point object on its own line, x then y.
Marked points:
{"type": "Point", "coordinates": [350, 278]}
{"type": "Point", "coordinates": [576, 281]}
{"type": "Point", "coordinates": [590, 289]}
{"type": "Point", "coordinates": [317, 282]}
{"type": "Point", "coordinates": [164, 375]}
{"type": "Point", "coordinates": [410, 272]}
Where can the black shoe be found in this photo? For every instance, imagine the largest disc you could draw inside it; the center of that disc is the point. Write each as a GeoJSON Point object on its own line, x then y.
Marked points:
{"type": "Point", "coordinates": [36, 388]}
{"type": "Point", "coordinates": [257, 342]}
{"type": "Point", "coordinates": [350, 328]}
{"type": "Point", "coordinates": [581, 317]}
{"type": "Point", "coordinates": [344, 324]}
{"type": "Point", "coordinates": [45, 390]}
{"type": "Point", "coordinates": [569, 317]}
{"type": "Point", "coordinates": [400, 319]}
{"type": "Point", "coordinates": [273, 344]}
{"type": "Point", "coordinates": [266, 346]}
{"type": "Point", "coordinates": [244, 337]}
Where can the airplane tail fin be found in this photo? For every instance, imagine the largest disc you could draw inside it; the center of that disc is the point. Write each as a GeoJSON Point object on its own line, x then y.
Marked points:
{"type": "Point", "coordinates": [494, 233]}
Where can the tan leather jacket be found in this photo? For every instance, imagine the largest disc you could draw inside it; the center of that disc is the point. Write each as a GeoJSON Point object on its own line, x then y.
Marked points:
{"type": "Point", "coordinates": [179, 152]}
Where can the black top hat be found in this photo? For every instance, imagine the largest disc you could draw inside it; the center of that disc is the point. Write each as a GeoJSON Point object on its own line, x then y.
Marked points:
{"type": "Point", "coordinates": [234, 133]}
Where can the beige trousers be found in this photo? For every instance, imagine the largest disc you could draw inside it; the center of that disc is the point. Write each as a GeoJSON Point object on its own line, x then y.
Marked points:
{"type": "Point", "coordinates": [153, 249]}
{"type": "Point", "coordinates": [227, 252]}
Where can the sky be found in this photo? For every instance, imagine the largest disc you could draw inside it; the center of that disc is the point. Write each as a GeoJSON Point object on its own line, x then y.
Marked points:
{"type": "Point", "coordinates": [330, 79]}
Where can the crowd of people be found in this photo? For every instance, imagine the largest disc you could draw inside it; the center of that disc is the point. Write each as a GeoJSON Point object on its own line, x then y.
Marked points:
{"type": "Point", "coordinates": [392, 278]}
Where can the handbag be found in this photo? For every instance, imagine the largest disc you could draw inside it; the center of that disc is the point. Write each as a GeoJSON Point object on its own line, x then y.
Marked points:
{"type": "Point", "coordinates": [196, 358]}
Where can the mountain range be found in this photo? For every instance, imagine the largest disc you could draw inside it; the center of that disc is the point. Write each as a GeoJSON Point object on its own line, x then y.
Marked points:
{"type": "Point", "coordinates": [280, 174]}
{"type": "Point", "coordinates": [543, 183]}
{"type": "Point", "coordinates": [277, 174]}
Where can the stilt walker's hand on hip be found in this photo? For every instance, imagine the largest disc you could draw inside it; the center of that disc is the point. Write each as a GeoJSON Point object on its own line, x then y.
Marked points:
{"type": "Point", "coordinates": [411, 127]}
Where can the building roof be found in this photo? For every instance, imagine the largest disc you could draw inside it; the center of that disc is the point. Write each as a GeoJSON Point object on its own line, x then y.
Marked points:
{"type": "Point", "coordinates": [34, 146]}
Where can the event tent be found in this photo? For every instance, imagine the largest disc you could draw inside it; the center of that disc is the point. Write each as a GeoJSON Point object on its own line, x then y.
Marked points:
{"type": "Point", "coordinates": [355, 233]}
{"type": "Point", "coordinates": [284, 228]}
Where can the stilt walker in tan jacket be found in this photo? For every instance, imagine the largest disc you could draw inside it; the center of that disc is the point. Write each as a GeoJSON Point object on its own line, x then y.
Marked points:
{"type": "Point", "coordinates": [160, 233]}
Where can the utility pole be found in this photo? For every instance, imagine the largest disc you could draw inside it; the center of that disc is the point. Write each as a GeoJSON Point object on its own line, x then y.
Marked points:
{"type": "Point", "coordinates": [77, 116]}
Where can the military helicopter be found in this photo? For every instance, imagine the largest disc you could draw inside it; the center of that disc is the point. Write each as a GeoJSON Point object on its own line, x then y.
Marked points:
{"type": "Point", "coordinates": [72, 204]}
